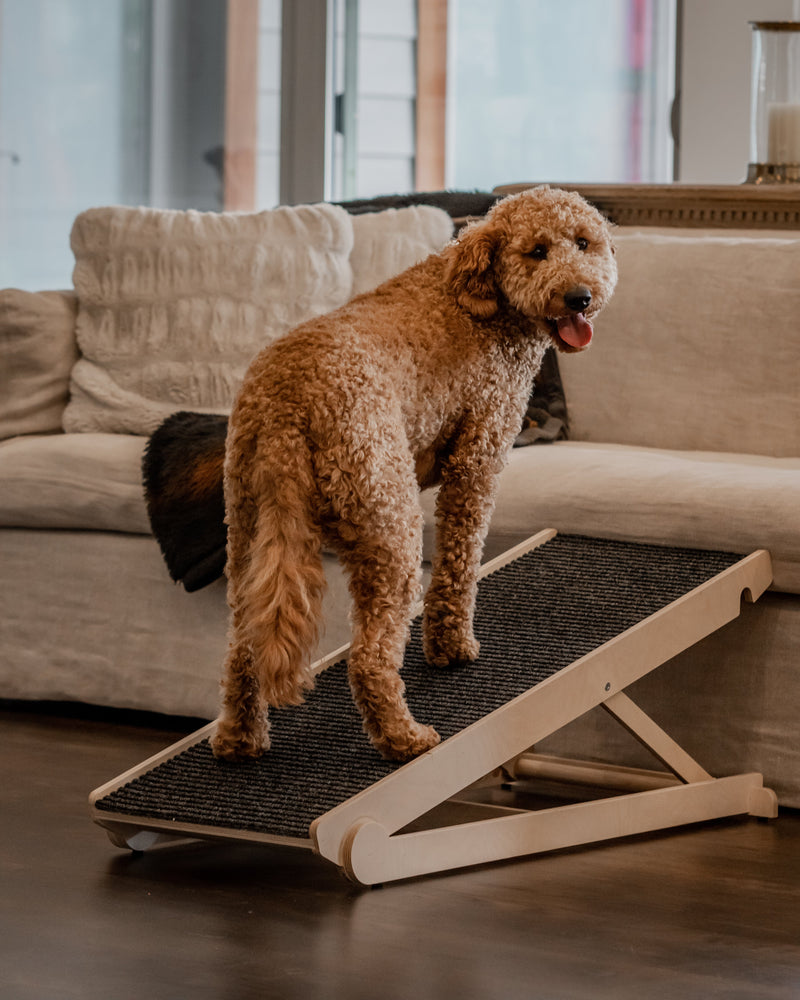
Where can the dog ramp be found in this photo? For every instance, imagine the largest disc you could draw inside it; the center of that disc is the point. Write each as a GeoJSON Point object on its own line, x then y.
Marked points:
{"type": "Point", "coordinates": [566, 623]}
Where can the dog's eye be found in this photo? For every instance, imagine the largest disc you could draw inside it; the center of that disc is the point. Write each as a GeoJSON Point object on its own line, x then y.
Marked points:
{"type": "Point", "coordinates": [582, 243]}
{"type": "Point", "coordinates": [539, 252]}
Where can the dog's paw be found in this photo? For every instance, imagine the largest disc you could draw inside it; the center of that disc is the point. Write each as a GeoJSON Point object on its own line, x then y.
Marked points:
{"type": "Point", "coordinates": [231, 743]}
{"type": "Point", "coordinates": [447, 636]}
{"type": "Point", "coordinates": [404, 745]}
{"type": "Point", "coordinates": [449, 648]}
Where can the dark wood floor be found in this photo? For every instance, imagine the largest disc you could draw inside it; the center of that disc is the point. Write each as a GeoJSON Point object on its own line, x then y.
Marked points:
{"type": "Point", "coordinates": [707, 912]}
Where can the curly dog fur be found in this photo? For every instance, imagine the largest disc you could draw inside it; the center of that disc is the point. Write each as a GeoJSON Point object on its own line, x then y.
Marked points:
{"type": "Point", "coordinates": [340, 424]}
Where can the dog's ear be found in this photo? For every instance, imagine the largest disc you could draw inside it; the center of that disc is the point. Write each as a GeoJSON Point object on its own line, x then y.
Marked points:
{"type": "Point", "coordinates": [469, 271]}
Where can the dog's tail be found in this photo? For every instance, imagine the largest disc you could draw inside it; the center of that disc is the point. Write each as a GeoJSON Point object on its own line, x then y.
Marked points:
{"type": "Point", "coordinates": [283, 581]}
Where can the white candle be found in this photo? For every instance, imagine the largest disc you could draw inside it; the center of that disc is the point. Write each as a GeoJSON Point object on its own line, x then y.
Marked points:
{"type": "Point", "coordinates": [783, 133]}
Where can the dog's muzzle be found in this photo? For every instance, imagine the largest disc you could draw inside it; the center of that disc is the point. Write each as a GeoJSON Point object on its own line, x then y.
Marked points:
{"type": "Point", "coordinates": [573, 332]}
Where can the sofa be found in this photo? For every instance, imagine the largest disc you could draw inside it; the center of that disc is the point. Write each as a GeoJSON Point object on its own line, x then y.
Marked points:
{"type": "Point", "coordinates": [683, 429]}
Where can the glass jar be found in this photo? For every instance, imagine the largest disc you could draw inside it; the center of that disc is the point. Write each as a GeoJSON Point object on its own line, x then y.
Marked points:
{"type": "Point", "coordinates": [775, 103]}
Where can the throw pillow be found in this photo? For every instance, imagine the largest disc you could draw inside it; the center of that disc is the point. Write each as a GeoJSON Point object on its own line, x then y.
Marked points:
{"type": "Point", "coordinates": [546, 417]}
{"type": "Point", "coordinates": [173, 305]}
{"type": "Point", "coordinates": [37, 352]}
{"type": "Point", "coordinates": [697, 349]}
{"type": "Point", "coordinates": [386, 243]}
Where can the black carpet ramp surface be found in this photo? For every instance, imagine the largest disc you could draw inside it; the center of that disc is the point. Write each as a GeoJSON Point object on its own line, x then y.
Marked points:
{"type": "Point", "coordinates": [534, 617]}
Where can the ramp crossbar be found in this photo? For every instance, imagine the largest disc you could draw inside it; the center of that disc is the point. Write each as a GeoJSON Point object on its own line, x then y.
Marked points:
{"type": "Point", "coordinates": [566, 623]}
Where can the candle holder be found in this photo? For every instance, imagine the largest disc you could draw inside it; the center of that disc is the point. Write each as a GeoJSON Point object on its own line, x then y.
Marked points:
{"type": "Point", "coordinates": [775, 103]}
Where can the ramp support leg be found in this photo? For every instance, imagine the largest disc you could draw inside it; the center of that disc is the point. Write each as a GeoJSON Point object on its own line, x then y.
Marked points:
{"type": "Point", "coordinates": [371, 855]}
{"type": "Point", "coordinates": [652, 736]}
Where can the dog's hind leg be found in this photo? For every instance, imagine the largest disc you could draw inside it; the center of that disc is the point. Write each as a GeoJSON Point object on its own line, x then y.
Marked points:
{"type": "Point", "coordinates": [383, 588]}
{"type": "Point", "coordinates": [379, 540]}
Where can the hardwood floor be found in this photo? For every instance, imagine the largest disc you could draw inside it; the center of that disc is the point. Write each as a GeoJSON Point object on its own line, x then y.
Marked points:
{"type": "Point", "coordinates": [707, 912]}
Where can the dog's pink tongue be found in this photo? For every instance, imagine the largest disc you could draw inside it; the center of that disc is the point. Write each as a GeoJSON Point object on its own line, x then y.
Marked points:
{"type": "Point", "coordinates": [575, 330]}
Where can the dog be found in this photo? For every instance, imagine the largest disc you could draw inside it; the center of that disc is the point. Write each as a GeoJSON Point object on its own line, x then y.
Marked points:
{"type": "Point", "coordinates": [340, 424]}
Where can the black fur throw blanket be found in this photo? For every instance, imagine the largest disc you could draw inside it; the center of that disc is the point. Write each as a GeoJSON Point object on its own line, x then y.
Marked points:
{"type": "Point", "coordinates": [457, 204]}
{"type": "Point", "coordinates": [182, 471]}
{"type": "Point", "coordinates": [182, 475]}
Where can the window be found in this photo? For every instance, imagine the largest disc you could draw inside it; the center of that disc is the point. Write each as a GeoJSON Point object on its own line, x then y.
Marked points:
{"type": "Point", "coordinates": [571, 91]}
{"type": "Point", "coordinates": [104, 102]}
{"type": "Point", "coordinates": [241, 104]}
{"type": "Point", "coordinates": [375, 80]}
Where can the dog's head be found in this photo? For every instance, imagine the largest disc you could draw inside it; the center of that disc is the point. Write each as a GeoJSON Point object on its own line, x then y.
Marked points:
{"type": "Point", "coordinates": [546, 253]}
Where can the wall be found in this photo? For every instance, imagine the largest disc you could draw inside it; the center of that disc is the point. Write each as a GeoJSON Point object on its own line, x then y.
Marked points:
{"type": "Point", "coordinates": [714, 133]}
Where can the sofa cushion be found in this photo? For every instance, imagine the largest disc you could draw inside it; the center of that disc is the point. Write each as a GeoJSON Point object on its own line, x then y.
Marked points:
{"type": "Point", "coordinates": [94, 617]}
{"type": "Point", "coordinates": [698, 348]}
{"type": "Point", "coordinates": [736, 503]}
{"type": "Point", "coordinates": [88, 481]}
{"type": "Point", "coordinates": [708, 500]}
{"type": "Point", "coordinates": [386, 243]}
{"type": "Point", "coordinates": [37, 352]}
{"type": "Point", "coordinates": [174, 305]}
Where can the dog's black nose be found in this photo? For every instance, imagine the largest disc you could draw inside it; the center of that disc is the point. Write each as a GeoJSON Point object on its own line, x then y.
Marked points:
{"type": "Point", "coordinates": [577, 299]}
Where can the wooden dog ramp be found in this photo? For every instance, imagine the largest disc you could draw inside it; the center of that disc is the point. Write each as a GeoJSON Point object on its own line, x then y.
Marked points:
{"type": "Point", "coordinates": [566, 623]}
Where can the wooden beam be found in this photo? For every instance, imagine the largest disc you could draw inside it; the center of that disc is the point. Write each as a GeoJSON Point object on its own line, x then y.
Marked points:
{"type": "Point", "coordinates": [431, 94]}
{"type": "Point", "coordinates": [241, 98]}
{"type": "Point", "coordinates": [692, 206]}
{"type": "Point", "coordinates": [370, 856]}
{"type": "Point", "coordinates": [653, 737]}
{"type": "Point", "coordinates": [306, 105]}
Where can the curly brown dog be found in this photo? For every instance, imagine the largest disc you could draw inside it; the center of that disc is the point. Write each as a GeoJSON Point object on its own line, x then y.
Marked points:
{"type": "Point", "coordinates": [340, 424]}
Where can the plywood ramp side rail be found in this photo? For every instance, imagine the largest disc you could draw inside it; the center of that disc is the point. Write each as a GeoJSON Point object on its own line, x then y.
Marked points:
{"type": "Point", "coordinates": [147, 765]}
{"type": "Point", "coordinates": [137, 833]}
{"type": "Point", "coordinates": [410, 792]}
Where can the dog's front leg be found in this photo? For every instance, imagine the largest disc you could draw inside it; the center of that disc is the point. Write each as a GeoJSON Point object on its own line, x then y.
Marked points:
{"type": "Point", "coordinates": [464, 508]}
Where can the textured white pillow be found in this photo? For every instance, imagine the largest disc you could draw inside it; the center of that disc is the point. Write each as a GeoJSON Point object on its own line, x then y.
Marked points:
{"type": "Point", "coordinates": [386, 243]}
{"type": "Point", "coordinates": [37, 352]}
{"type": "Point", "coordinates": [698, 349]}
{"type": "Point", "coordinates": [174, 305]}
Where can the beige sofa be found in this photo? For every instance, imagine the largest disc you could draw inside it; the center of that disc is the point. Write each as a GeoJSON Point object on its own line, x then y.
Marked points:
{"type": "Point", "coordinates": [685, 429]}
